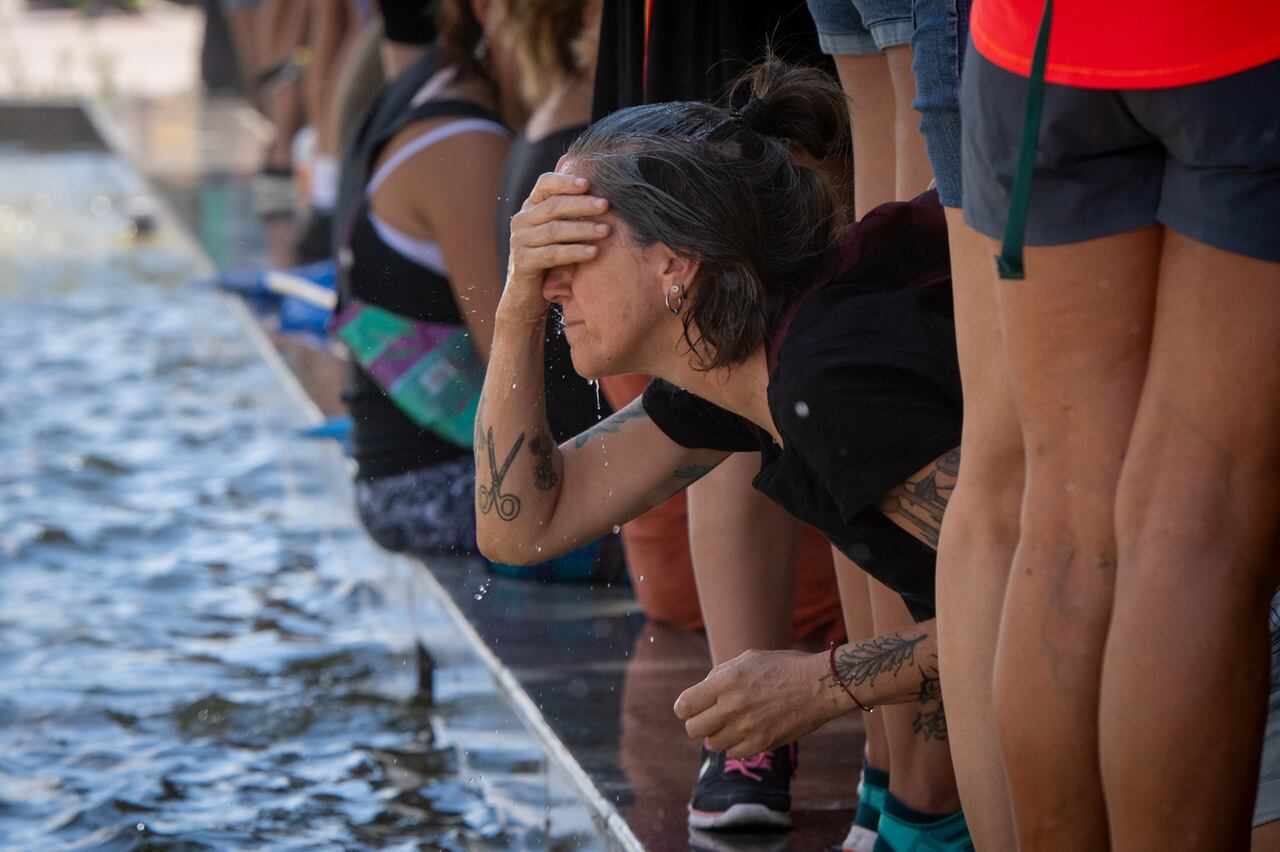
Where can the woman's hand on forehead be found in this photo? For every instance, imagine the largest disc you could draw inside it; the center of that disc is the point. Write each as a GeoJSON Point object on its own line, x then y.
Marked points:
{"type": "Point", "coordinates": [551, 184]}
{"type": "Point", "coordinates": [558, 226]}
{"type": "Point", "coordinates": [557, 196]}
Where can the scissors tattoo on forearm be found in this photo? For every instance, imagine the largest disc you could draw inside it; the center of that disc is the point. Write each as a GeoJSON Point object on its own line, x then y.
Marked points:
{"type": "Point", "coordinates": [491, 496]}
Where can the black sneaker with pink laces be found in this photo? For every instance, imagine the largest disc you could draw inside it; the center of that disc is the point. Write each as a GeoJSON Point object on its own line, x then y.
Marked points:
{"type": "Point", "coordinates": [751, 793]}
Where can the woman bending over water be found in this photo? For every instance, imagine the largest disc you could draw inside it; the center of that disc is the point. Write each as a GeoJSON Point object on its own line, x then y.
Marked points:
{"type": "Point", "coordinates": [687, 242]}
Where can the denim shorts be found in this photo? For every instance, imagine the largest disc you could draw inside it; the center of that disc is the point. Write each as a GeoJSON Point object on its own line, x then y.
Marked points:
{"type": "Point", "coordinates": [861, 27]}
{"type": "Point", "coordinates": [1202, 159]}
{"type": "Point", "coordinates": [937, 58]}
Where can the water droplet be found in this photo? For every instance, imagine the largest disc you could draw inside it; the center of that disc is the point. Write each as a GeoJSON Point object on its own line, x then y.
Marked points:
{"type": "Point", "coordinates": [802, 409]}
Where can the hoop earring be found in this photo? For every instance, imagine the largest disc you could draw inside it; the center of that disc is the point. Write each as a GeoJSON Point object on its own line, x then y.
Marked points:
{"type": "Point", "coordinates": [666, 300]}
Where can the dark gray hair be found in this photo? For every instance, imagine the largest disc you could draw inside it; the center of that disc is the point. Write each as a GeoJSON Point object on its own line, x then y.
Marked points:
{"type": "Point", "coordinates": [723, 187]}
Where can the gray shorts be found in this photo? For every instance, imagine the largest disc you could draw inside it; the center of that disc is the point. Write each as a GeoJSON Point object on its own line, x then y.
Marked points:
{"type": "Point", "coordinates": [1202, 159]}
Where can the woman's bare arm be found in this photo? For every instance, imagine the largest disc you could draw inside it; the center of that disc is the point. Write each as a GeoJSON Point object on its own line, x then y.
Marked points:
{"type": "Point", "coordinates": [448, 193]}
{"type": "Point", "coordinates": [761, 699]}
{"type": "Point", "coordinates": [917, 505]}
{"type": "Point", "coordinates": [535, 500]}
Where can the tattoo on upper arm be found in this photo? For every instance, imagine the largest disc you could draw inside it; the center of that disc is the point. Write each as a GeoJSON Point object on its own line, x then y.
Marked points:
{"type": "Point", "coordinates": [693, 472]}
{"type": "Point", "coordinates": [918, 504]}
{"type": "Point", "coordinates": [863, 662]}
{"type": "Point", "coordinates": [610, 425]}
{"type": "Point", "coordinates": [490, 497]}
{"type": "Point", "coordinates": [544, 469]}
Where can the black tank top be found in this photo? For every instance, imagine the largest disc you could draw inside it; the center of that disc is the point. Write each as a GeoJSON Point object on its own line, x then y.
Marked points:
{"type": "Point", "coordinates": [385, 441]}
{"type": "Point", "coordinates": [573, 404]}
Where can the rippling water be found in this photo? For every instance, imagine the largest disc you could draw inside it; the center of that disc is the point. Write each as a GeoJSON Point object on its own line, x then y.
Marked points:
{"type": "Point", "coordinates": [194, 651]}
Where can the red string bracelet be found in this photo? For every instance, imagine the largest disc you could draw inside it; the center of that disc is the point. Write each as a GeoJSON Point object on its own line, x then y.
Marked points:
{"type": "Point", "coordinates": [832, 660]}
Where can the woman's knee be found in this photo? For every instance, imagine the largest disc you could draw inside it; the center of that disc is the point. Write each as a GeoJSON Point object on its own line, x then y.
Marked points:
{"type": "Point", "coordinates": [1195, 526]}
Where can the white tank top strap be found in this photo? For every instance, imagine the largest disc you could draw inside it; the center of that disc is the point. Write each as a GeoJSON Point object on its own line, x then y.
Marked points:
{"type": "Point", "coordinates": [425, 253]}
{"type": "Point", "coordinates": [429, 138]}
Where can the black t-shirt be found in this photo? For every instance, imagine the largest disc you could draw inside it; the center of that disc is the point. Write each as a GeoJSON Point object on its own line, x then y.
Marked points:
{"type": "Point", "coordinates": [864, 390]}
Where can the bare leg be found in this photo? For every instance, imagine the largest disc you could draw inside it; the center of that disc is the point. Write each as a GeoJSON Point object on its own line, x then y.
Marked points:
{"type": "Point", "coordinates": [282, 26]}
{"type": "Point", "coordinates": [872, 114]}
{"type": "Point", "coordinates": [1197, 519]}
{"type": "Point", "coordinates": [912, 171]}
{"type": "Point", "coordinates": [855, 601]}
{"type": "Point", "coordinates": [979, 534]}
{"type": "Point", "coordinates": [919, 752]}
{"type": "Point", "coordinates": [328, 34]}
{"type": "Point", "coordinates": [1077, 333]}
{"type": "Point", "coordinates": [243, 21]}
{"type": "Point", "coordinates": [1265, 838]}
{"type": "Point", "coordinates": [744, 553]}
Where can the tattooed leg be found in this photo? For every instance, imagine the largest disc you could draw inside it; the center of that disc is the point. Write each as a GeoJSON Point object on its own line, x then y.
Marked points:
{"type": "Point", "coordinates": [931, 721]}
{"type": "Point", "coordinates": [921, 774]}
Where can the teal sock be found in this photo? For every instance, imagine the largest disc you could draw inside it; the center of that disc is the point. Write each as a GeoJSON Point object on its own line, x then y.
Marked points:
{"type": "Point", "coordinates": [905, 829]}
{"type": "Point", "coordinates": [871, 793]}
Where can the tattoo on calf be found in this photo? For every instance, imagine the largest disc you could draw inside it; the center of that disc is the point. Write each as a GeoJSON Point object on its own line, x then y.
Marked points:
{"type": "Point", "coordinates": [931, 722]}
{"type": "Point", "coordinates": [611, 425]}
{"type": "Point", "coordinates": [865, 661]}
{"type": "Point", "coordinates": [544, 469]}
{"type": "Point", "coordinates": [918, 504]}
{"type": "Point", "coordinates": [931, 725]}
{"type": "Point", "coordinates": [930, 686]}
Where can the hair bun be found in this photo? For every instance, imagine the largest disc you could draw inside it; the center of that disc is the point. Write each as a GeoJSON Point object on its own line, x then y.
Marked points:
{"type": "Point", "coordinates": [756, 114]}
{"type": "Point", "coordinates": [800, 104]}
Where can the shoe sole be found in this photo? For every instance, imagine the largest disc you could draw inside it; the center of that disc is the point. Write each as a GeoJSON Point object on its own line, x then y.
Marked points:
{"type": "Point", "coordinates": [742, 815]}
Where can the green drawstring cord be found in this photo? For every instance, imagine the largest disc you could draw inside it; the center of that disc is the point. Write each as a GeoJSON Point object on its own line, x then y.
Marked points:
{"type": "Point", "coordinates": [1009, 262]}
